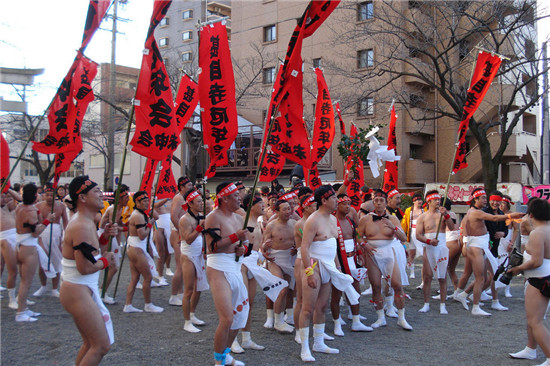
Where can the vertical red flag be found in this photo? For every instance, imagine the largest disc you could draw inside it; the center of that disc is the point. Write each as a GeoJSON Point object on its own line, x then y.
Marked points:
{"type": "Point", "coordinates": [217, 95]}
{"type": "Point", "coordinates": [186, 101]}
{"type": "Point", "coordinates": [4, 162]}
{"type": "Point", "coordinates": [167, 187]}
{"type": "Point", "coordinates": [355, 163]}
{"type": "Point", "coordinates": [342, 125]}
{"type": "Point", "coordinates": [486, 68]}
{"type": "Point", "coordinates": [391, 171]}
{"type": "Point", "coordinates": [63, 105]}
{"type": "Point", "coordinates": [148, 176]}
{"type": "Point", "coordinates": [156, 126]}
{"type": "Point", "coordinates": [312, 179]}
{"type": "Point", "coordinates": [273, 162]}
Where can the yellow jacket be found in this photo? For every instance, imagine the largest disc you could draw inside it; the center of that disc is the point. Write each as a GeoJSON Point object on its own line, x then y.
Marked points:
{"type": "Point", "coordinates": [406, 222]}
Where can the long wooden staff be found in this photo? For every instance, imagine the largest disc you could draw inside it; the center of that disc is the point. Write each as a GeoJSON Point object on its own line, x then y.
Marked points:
{"type": "Point", "coordinates": [117, 196]}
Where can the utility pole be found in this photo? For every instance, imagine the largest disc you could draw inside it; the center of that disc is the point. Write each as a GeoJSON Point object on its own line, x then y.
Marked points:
{"type": "Point", "coordinates": [545, 139]}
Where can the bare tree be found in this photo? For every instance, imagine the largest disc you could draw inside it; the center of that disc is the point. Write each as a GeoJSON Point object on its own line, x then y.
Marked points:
{"type": "Point", "coordinates": [435, 43]}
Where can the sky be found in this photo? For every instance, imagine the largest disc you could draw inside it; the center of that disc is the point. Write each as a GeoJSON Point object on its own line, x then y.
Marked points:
{"type": "Point", "coordinates": [46, 34]}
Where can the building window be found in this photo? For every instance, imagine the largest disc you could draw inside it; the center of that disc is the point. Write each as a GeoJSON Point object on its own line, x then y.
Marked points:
{"type": "Point", "coordinates": [316, 62]}
{"type": "Point", "coordinates": [270, 33]}
{"type": "Point", "coordinates": [163, 42]}
{"type": "Point", "coordinates": [164, 22]}
{"type": "Point", "coordinates": [187, 14]}
{"type": "Point", "coordinates": [364, 11]}
{"type": "Point", "coordinates": [187, 35]}
{"type": "Point", "coordinates": [365, 107]}
{"type": "Point", "coordinates": [365, 58]}
{"type": "Point", "coordinates": [187, 56]}
{"type": "Point", "coordinates": [268, 75]}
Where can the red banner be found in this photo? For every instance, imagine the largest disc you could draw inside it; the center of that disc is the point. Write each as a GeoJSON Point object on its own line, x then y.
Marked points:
{"type": "Point", "coordinates": [342, 125]}
{"type": "Point", "coordinates": [391, 171]}
{"type": "Point", "coordinates": [63, 105]}
{"type": "Point", "coordinates": [486, 68]}
{"type": "Point", "coordinates": [354, 188]}
{"type": "Point", "coordinates": [312, 179]}
{"type": "Point", "coordinates": [217, 95]}
{"type": "Point", "coordinates": [148, 176]}
{"type": "Point", "coordinates": [324, 128]}
{"type": "Point", "coordinates": [186, 101]}
{"type": "Point", "coordinates": [273, 162]}
{"type": "Point", "coordinates": [167, 183]}
{"type": "Point", "coordinates": [5, 162]}
{"type": "Point", "coordinates": [155, 135]}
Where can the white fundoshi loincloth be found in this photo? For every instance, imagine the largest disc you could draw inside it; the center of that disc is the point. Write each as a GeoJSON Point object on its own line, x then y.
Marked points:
{"type": "Point", "coordinates": [225, 262]}
{"type": "Point", "coordinates": [357, 273]}
{"type": "Point", "coordinates": [452, 235]}
{"type": "Point", "coordinates": [325, 252]}
{"type": "Point", "coordinates": [285, 261]}
{"type": "Point", "coordinates": [71, 274]}
{"type": "Point", "coordinates": [134, 242]}
{"type": "Point", "coordinates": [115, 248]}
{"type": "Point", "coordinates": [27, 240]}
{"type": "Point", "coordinates": [55, 255]}
{"type": "Point", "coordinates": [414, 241]}
{"type": "Point", "coordinates": [384, 257]}
{"type": "Point", "coordinates": [482, 242]}
{"type": "Point", "coordinates": [163, 223]}
{"type": "Point", "coordinates": [401, 260]}
{"type": "Point", "coordinates": [10, 236]}
{"type": "Point", "coordinates": [193, 251]}
{"type": "Point", "coordinates": [270, 284]}
{"type": "Point", "coordinates": [438, 256]}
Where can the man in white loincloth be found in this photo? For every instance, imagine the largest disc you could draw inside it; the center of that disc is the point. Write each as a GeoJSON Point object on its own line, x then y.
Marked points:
{"type": "Point", "coordinates": [224, 232]}
{"type": "Point", "coordinates": [8, 240]}
{"type": "Point", "coordinates": [318, 251]}
{"type": "Point", "coordinates": [378, 232]}
{"type": "Point", "coordinates": [436, 253]}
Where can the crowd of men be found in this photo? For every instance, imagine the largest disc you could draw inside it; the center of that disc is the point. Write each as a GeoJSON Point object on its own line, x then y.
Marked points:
{"type": "Point", "coordinates": [306, 250]}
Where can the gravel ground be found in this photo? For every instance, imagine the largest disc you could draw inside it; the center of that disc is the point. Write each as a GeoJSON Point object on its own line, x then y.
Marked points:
{"type": "Point", "coordinates": [158, 339]}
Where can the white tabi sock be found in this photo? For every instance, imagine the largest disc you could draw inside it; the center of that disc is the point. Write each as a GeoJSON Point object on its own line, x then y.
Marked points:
{"type": "Point", "coordinates": [443, 309]}
{"type": "Point", "coordinates": [319, 340]}
{"type": "Point", "coordinates": [401, 321]}
{"type": "Point", "coordinates": [381, 322]}
{"type": "Point", "coordinates": [269, 319]}
{"type": "Point", "coordinates": [297, 338]}
{"type": "Point", "coordinates": [279, 318]}
{"type": "Point", "coordinates": [246, 336]}
{"type": "Point", "coordinates": [338, 328]}
{"type": "Point", "coordinates": [526, 353]}
{"type": "Point", "coordinates": [425, 308]}
{"type": "Point", "coordinates": [305, 352]}
{"type": "Point", "coordinates": [11, 294]}
{"type": "Point", "coordinates": [289, 316]}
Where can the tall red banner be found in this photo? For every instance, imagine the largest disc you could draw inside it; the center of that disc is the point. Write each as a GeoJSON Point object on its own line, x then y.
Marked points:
{"type": "Point", "coordinates": [167, 187]}
{"type": "Point", "coordinates": [63, 107]}
{"type": "Point", "coordinates": [217, 95]}
{"type": "Point", "coordinates": [486, 68]}
{"type": "Point", "coordinates": [391, 172]}
{"type": "Point", "coordinates": [355, 163]}
{"type": "Point", "coordinates": [148, 176]}
{"type": "Point", "coordinates": [289, 138]}
{"type": "Point", "coordinates": [156, 134]}
{"type": "Point", "coordinates": [4, 161]}
{"type": "Point", "coordinates": [186, 101]}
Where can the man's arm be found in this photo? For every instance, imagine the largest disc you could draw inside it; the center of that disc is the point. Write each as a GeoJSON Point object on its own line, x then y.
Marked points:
{"type": "Point", "coordinates": [63, 215]}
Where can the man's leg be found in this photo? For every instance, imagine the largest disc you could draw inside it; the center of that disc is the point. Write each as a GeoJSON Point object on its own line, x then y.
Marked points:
{"type": "Point", "coordinates": [319, 324]}
{"type": "Point", "coordinates": [189, 279]}
{"type": "Point", "coordinates": [375, 279]}
{"type": "Point", "coordinates": [478, 266]}
{"type": "Point", "coordinates": [10, 258]}
{"type": "Point", "coordinates": [280, 303]}
{"type": "Point", "coordinates": [309, 297]}
{"type": "Point", "coordinates": [399, 298]}
{"type": "Point", "coordinates": [427, 275]}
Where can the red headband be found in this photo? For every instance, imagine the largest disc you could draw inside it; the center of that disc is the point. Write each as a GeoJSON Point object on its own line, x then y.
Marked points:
{"type": "Point", "coordinates": [344, 199]}
{"type": "Point", "coordinates": [85, 187]}
{"type": "Point", "coordinates": [288, 196]}
{"type": "Point", "coordinates": [495, 197]}
{"type": "Point", "coordinates": [507, 200]}
{"type": "Point", "coordinates": [392, 193]}
{"type": "Point", "coordinates": [232, 188]}
{"type": "Point", "coordinates": [417, 198]}
{"type": "Point", "coordinates": [328, 193]}
{"type": "Point", "coordinates": [433, 196]}
{"type": "Point", "coordinates": [309, 201]}
{"type": "Point", "coordinates": [479, 193]}
{"type": "Point", "coordinates": [191, 196]}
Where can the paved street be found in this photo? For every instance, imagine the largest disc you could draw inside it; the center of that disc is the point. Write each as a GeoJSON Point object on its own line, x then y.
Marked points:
{"type": "Point", "coordinates": [158, 339]}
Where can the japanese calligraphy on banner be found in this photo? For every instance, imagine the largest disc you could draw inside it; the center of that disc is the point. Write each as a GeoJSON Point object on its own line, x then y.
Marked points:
{"type": "Point", "coordinates": [148, 176]}
{"type": "Point", "coordinates": [186, 101]}
{"type": "Point", "coordinates": [217, 95]}
{"type": "Point", "coordinates": [5, 161]}
{"type": "Point", "coordinates": [323, 128]}
{"type": "Point", "coordinates": [486, 68]}
{"type": "Point", "coordinates": [313, 180]}
{"type": "Point", "coordinates": [96, 13]}
{"type": "Point", "coordinates": [461, 192]}
{"type": "Point", "coordinates": [167, 187]}
{"type": "Point", "coordinates": [356, 164]}
{"type": "Point", "coordinates": [539, 191]}
{"type": "Point", "coordinates": [273, 162]}
{"type": "Point", "coordinates": [156, 134]}
{"type": "Point", "coordinates": [391, 171]}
